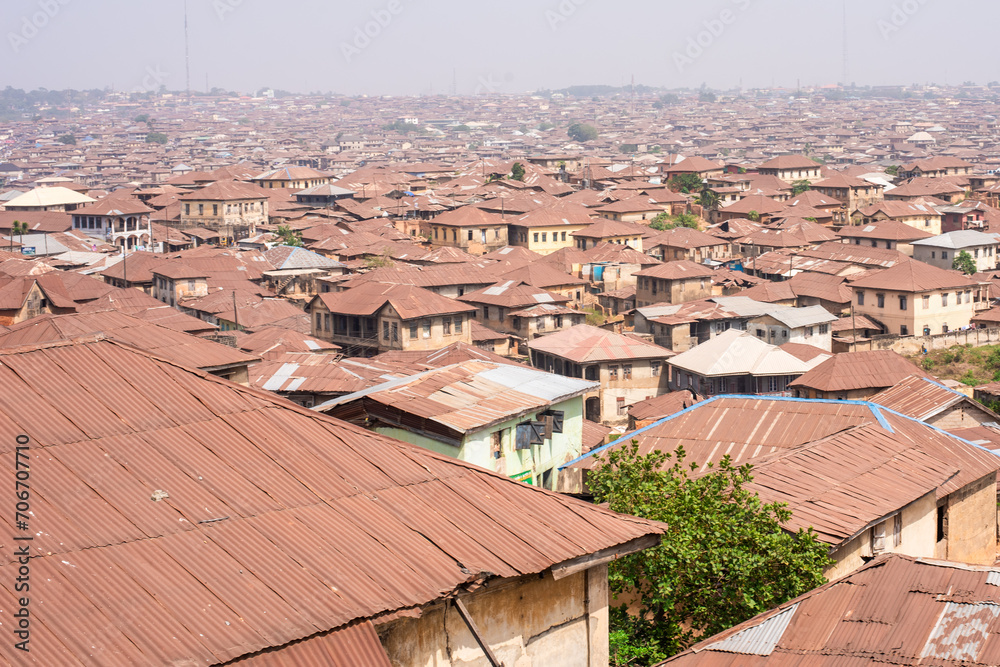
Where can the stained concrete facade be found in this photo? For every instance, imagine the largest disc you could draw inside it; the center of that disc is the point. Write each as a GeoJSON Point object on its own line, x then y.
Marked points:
{"type": "Point", "coordinates": [527, 622]}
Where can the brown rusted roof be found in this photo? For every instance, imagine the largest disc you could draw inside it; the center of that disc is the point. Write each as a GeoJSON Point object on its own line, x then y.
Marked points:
{"type": "Point", "coordinates": [680, 270]}
{"type": "Point", "coordinates": [896, 610]}
{"type": "Point", "coordinates": [179, 518]}
{"type": "Point", "coordinates": [587, 344]}
{"type": "Point", "coordinates": [174, 345]}
{"type": "Point", "coordinates": [864, 369]}
{"type": "Point", "coordinates": [408, 300]}
{"type": "Point", "coordinates": [920, 397]}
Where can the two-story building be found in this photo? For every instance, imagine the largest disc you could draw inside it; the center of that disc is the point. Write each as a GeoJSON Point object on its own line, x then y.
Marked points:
{"type": "Point", "coordinates": [941, 251]}
{"type": "Point", "coordinates": [686, 243]}
{"type": "Point", "coordinates": [791, 168]}
{"type": "Point", "coordinates": [293, 178]}
{"type": "Point", "coordinates": [548, 229]}
{"type": "Point", "coordinates": [511, 307]}
{"type": "Point", "coordinates": [121, 221]}
{"type": "Point", "coordinates": [918, 215]}
{"type": "Point", "coordinates": [173, 281]}
{"type": "Point", "coordinates": [378, 317]}
{"type": "Point", "coordinates": [673, 282]}
{"type": "Point", "coordinates": [231, 208]}
{"type": "Point", "coordinates": [888, 234]}
{"type": "Point", "coordinates": [913, 298]}
{"type": "Point", "coordinates": [474, 230]}
{"type": "Point", "coordinates": [517, 421]}
{"type": "Point", "coordinates": [628, 368]}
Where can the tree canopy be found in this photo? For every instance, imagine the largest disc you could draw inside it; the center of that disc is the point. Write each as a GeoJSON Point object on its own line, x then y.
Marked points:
{"type": "Point", "coordinates": [963, 262]}
{"type": "Point", "coordinates": [798, 187]}
{"type": "Point", "coordinates": [582, 132]}
{"type": "Point", "coordinates": [724, 558]}
{"type": "Point", "coordinates": [517, 172]}
{"type": "Point", "coordinates": [686, 183]}
{"type": "Point", "coordinates": [289, 236]}
{"type": "Point", "coordinates": [663, 221]}
{"type": "Point", "coordinates": [156, 138]}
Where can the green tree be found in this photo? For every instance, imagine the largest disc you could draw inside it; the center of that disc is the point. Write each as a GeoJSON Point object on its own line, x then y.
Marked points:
{"type": "Point", "coordinates": [156, 138]}
{"type": "Point", "coordinates": [798, 187]}
{"type": "Point", "coordinates": [141, 118]}
{"type": "Point", "coordinates": [517, 172]}
{"type": "Point", "coordinates": [707, 96]}
{"type": "Point", "coordinates": [892, 169]}
{"type": "Point", "coordinates": [68, 139]}
{"type": "Point", "coordinates": [629, 148]}
{"type": "Point", "coordinates": [963, 262]}
{"type": "Point", "coordinates": [289, 236]}
{"type": "Point", "coordinates": [19, 228]}
{"type": "Point", "coordinates": [724, 558]}
{"type": "Point", "coordinates": [581, 132]}
{"type": "Point", "coordinates": [753, 216]}
{"type": "Point", "coordinates": [685, 183]}
{"type": "Point", "coordinates": [663, 221]}
{"type": "Point", "coordinates": [709, 199]}
{"type": "Point", "coordinates": [379, 261]}
{"type": "Point", "coordinates": [545, 125]}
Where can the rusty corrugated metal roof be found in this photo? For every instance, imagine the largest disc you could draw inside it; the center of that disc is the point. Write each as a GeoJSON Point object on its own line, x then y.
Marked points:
{"type": "Point", "coordinates": [896, 610]}
{"type": "Point", "coordinates": [179, 519]}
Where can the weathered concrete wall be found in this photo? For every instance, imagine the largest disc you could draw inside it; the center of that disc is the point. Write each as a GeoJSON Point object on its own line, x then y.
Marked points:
{"type": "Point", "coordinates": [532, 622]}
{"type": "Point", "coordinates": [917, 539]}
{"type": "Point", "coordinates": [962, 415]}
{"type": "Point", "coordinates": [909, 345]}
{"type": "Point", "coordinates": [972, 522]}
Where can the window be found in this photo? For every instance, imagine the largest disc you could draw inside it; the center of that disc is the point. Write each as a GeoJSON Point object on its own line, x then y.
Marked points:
{"type": "Point", "coordinates": [319, 322]}
{"type": "Point", "coordinates": [861, 298]}
{"type": "Point", "coordinates": [880, 298]}
{"type": "Point", "coordinates": [958, 297]}
{"type": "Point", "coordinates": [470, 234]}
{"type": "Point", "coordinates": [395, 332]}
{"type": "Point", "coordinates": [612, 372]}
{"type": "Point", "coordinates": [328, 322]}
{"type": "Point", "coordinates": [201, 209]}
{"type": "Point", "coordinates": [564, 236]}
{"type": "Point", "coordinates": [413, 330]}
{"type": "Point", "coordinates": [824, 329]}
{"type": "Point", "coordinates": [482, 236]}
{"type": "Point", "coordinates": [557, 416]}
{"type": "Point", "coordinates": [435, 232]}
{"type": "Point", "coordinates": [944, 328]}
{"type": "Point", "coordinates": [904, 330]}
{"type": "Point", "coordinates": [927, 301]}
{"type": "Point", "coordinates": [809, 332]}
{"type": "Point", "coordinates": [446, 323]}
{"type": "Point", "coordinates": [621, 405]}
{"type": "Point", "coordinates": [536, 237]}
{"type": "Point", "coordinates": [944, 254]}
{"type": "Point", "coordinates": [187, 209]}
{"type": "Point", "coordinates": [902, 302]}
{"type": "Point", "coordinates": [897, 530]}
{"type": "Point", "coordinates": [385, 330]}
{"type": "Point", "coordinates": [458, 324]}
{"type": "Point", "coordinates": [933, 254]}
{"type": "Point", "coordinates": [215, 209]}
{"type": "Point", "coordinates": [878, 538]}
{"type": "Point", "coordinates": [654, 368]}
{"type": "Point", "coordinates": [944, 299]}
{"type": "Point", "coordinates": [942, 522]}
{"type": "Point", "coordinates": [627, 372]}
{"type": "Point", "coordinates": [544, 237]}
{"type": "Point", "coordinates": [427, 328]}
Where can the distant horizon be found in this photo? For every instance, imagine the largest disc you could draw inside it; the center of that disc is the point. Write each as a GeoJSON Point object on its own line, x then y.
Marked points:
{"type": "Point", "coordinates": [405, 48]}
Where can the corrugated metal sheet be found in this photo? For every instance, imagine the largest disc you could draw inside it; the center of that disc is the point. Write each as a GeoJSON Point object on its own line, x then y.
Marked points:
{"type": "Point", "coordinates": [760, 639]}
{"type": "Point", "coordinates": [356, 645]}
{"type": "Point", "coordinates": [960, 633]}
{"type": "Point", "coordinates": [273, 524]}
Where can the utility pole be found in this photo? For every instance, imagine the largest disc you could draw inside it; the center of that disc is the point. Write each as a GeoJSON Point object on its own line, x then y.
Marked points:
{"type": "Point", "coordinates": [187, 55]}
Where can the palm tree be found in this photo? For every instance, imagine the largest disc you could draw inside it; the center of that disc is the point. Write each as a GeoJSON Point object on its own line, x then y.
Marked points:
{"type": "Point", "coordinates": [709, 199]}
{"type": "Point", "coordinates": [19, 228]}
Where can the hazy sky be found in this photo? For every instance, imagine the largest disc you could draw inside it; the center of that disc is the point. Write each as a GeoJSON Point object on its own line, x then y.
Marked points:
{"type": "Point", "coordinates": [427, 46]}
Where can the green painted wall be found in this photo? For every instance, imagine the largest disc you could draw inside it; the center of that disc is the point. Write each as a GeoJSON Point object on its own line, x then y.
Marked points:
{"type": "Point", "coordinates": [563, 447]}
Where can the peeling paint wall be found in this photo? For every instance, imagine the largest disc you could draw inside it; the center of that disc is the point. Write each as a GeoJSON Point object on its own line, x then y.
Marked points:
{"type": "Point", "coordinates": [917, 538]}
{"type": "Point", "coordinates": [972, 523]}
{"type": "Point", "coordinates": [531, 622]}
